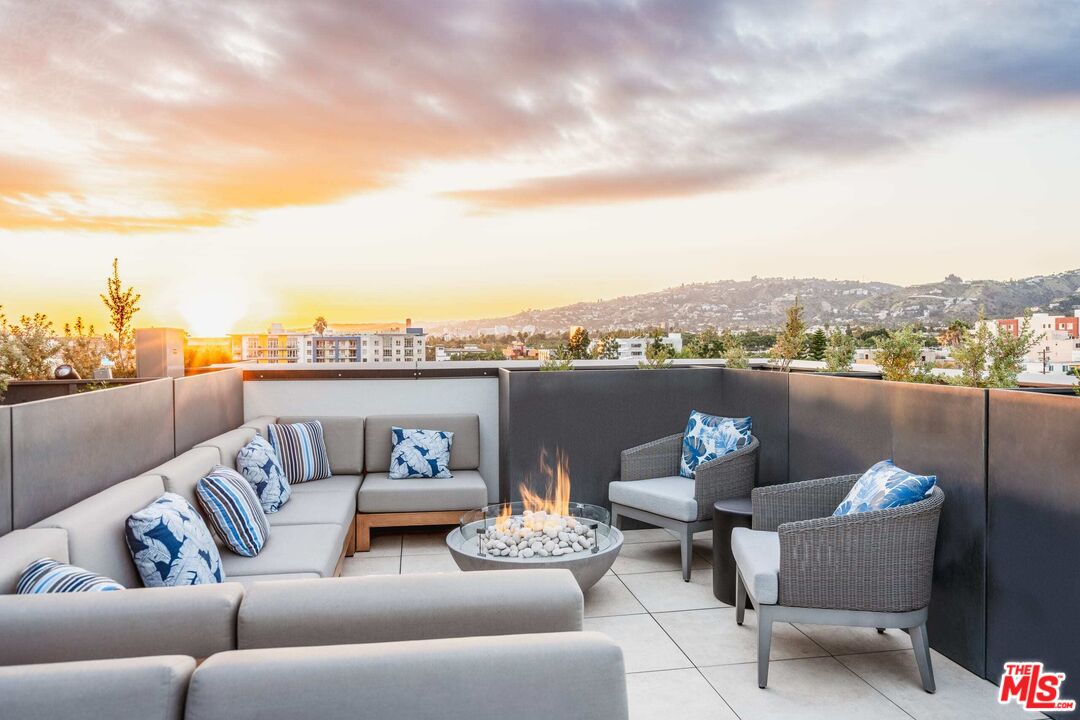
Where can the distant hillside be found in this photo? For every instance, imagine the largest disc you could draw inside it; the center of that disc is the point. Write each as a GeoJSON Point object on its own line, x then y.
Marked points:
{"type": "Point", "coordinates": [760, 302]}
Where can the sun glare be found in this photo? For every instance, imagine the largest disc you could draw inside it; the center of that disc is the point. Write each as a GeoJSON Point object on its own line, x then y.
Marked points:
{"type": "Point", "coordinates": [212, 313]}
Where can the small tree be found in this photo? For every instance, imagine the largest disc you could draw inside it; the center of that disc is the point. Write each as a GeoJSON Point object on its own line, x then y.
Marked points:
{"type": "Point", "coordinates": [898, 355]}
{"type": "Point", "coordinates": [81, 350]}
{"type": "Point", "coordinates": [657, 357]}
{"type": "Point", "coordinates": [578, 344]}
{"type": "Point", "coordinates": [558, 361]}
{"type": "Point", "coordinates": [1006, 360]}
{"type": "Point", "coordinates": [29, 348]}
{"type": "Point", "coordinates": [840, 352]}
{"type": "Point", "coordinates": [816, 344]}
{"type": "Point", "coordinates": [791, 340]}
{"type": "Point", "coordinates": [607, 348]}
{"type": "Point", "coordinates": [5, 349]}
{"type": "Point", "coordinates": [122, 305]}
{"type": "Point", "coordinates": [319, 325]}
{"type": "Point", "coordinates": [954, 333]}
{"type": "Point", "coordinates": [706, 344]}
{"type": "Point", "coordinates": [735, 353]}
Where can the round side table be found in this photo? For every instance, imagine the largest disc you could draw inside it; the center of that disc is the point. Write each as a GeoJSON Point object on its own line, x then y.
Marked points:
{"type": "Point", "coordinates": [727, 515]}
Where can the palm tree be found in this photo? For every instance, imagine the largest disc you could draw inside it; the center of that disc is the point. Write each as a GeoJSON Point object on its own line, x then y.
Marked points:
{"type": "Point", "coordinates": [319, 325]}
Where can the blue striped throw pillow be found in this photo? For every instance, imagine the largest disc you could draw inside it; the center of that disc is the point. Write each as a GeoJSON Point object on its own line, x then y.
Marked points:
{"type": "Point", "coordinates": [50, 576]}
{"type": "Point", "coordinates": [301, 448]}
{"type": "Point", "coordinates": [233, 510]}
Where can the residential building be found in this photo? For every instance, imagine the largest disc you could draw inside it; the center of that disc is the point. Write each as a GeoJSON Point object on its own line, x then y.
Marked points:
{"type": "Point", "coordinates": [634, 348]}
{"type": "Point", "coordinates": [1057, 341]}
{"type": "Point", "coordinates": [278, 345]}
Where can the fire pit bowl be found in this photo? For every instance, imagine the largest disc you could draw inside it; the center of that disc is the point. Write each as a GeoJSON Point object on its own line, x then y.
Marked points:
{"type": "Point", "coordinates": [509, 536]}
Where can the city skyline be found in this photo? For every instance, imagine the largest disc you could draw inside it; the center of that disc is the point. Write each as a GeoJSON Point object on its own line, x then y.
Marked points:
{"type": "Point", "coordinates": [344, 161]}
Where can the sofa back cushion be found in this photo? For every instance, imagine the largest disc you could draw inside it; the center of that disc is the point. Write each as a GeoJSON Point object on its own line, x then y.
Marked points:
{"type": "Point", "coordinates": [229, 444]}
{"type": "Point", "coordinates": [344, 441]}
{"type": "Point", "coordinates": [95, 527]}
{"type": "Point", "coordinates": [19, 548]}
{"type": "Point", "coordinates": [378, 443]}
{"type": "Point", "coordinates": [183, 472]}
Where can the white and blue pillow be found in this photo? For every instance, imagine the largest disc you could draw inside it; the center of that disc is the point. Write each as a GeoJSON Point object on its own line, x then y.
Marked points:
{"type": "Point", "coordinates": [885, 486]}
{"type": "Point", "coordinates": [50, 576]}
{"type": "Point", "coordinates": [233, 510]}
{"type": "Point", "coordinates": [708, 437]}
{"type": "Point", "coordinates": [301, 449]}
{"type": "Point", "coordinates": [259, 465]}
{"type": "Point", "coordinates": [171, 544]}
{"type": "Point", "coordinates": [420, 453]}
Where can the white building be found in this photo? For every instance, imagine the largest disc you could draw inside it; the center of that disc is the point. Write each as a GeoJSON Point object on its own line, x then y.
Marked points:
{"type": "Point", "coordinates": [1057, 341]}
{"type": "Point", "coordinates": [280, 346]}
{"type": "Point", "coordinates": [634, 348]}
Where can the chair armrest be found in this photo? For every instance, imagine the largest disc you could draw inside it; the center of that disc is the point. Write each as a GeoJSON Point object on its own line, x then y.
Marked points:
{"type": "Point", "coordinates": [727, 477]}
{"type": "Point", "coordinates": [879, 561]}
{"type": "Point", "coordinates": [790, 502]}
{"type": "Point", "coordinates": [553, 675]}
{"type": "Point", "coordinates": [659, 458]}
{"type": "Point", "coordinates": [390, 608]}
{"type": "Point", "coordinates": [197, 621]}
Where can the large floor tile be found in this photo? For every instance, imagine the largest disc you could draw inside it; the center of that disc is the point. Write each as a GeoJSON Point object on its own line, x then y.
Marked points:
{"type": "Point", "coordinates": [849, 640]}
{"type": "Point", "coordinates": [711, 637]}
{"type": "Point", "coordinates": [645, 646]}
{"type": "Point", "coordinates": [383, 545]}
{"type": "Point", "coordinates": [703, 548]}
{"type": "Point", "coordinates": [960, 694]}
{"type": "Point", "coordinates": [430, 563]}
{"type": "Point", "coordinates": [356, 565]}
{"type": "Point", "coordinates": [667, 592]}
{"type": "Point", "coordinates": [807, 689]}
{"type": "Point", "coordinates": [652, 557]}
{"type": "Point", "coordinates": [632, 537]}
{"type": "Point", "coordinates": [424, 543]}
{"type": "Point", "coordinates": [668, 694]}
{"type": "Point", "coordinates": [610, 597]}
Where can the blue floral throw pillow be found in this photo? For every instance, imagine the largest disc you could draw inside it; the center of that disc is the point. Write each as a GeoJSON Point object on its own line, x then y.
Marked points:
{"type": "Point", "coordinates": [259, 465]}
{"type": "Point", "coordinates": [709, 437]}
{"type": "Point", "coordinates": [50, 576]}
{"type": "Point", "coordinates": [171, 545]}
{"type": "Point", "coordinates": [420, 453]}
{"type": "Point", "coordinates": [885, 486]}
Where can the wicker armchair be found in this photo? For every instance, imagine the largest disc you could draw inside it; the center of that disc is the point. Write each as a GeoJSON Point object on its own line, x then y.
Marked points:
{"type": "Point", "coordinates": [650, 488]}
{"type": "Point", "coordinates": [801, 564]}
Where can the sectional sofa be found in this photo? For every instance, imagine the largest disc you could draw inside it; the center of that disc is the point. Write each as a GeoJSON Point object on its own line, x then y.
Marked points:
{"type": "Point", "coordinates": [404, 646]}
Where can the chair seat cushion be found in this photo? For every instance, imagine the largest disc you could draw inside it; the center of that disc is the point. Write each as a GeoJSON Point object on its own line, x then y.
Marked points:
{"type": "Point", "coordinates": [334, 483]}
{"type": "Point", "coordinates": [671, 497]}
{"type": "Point", "coordinates": [317, 508]}
{"type": "Point", "coordinates": [379, 493]}
{"type": "Point", "coordinates": [291, 549]}
{"type": "Point", "coordinates": [757, 553]}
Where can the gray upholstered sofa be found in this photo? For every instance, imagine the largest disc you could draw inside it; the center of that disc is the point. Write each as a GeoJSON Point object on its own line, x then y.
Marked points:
{"type": "Point", "coordinates": [581, 676]}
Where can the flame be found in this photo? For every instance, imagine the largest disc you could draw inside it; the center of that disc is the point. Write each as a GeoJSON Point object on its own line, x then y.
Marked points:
{"type": "Point", "coordinates": [556, 497]}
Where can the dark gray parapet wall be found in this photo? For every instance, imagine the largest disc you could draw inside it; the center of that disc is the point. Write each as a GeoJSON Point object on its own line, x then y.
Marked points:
{"type": "Point", "coordinates": [764, 397]}
{"type": "Point", "coordinates": [5, 470]}
{"type": "Point", "coordinates": [66, 449]}
{"type": "Point", "coordinates": [207, 405]}
{"type": "Point", "coordinates": [844, 425]}
{"type": "Point", "coordinates": [1034, 489]}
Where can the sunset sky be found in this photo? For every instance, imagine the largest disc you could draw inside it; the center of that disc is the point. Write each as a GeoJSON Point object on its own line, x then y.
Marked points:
{"type": "Point", "coordinates": [365, 161]}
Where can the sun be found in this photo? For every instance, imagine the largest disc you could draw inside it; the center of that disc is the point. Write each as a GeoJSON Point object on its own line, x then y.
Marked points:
{"type": "Point", "coordinates": [212, 311]}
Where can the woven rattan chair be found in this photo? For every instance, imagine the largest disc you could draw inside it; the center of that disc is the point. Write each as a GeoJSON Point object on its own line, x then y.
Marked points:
{"type": "Point", "coordinates": [651, 489]}
{"type": "Point", "coordinates": [800, 564]}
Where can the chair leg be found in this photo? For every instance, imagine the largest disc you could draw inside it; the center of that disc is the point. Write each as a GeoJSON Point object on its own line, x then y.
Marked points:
{"type": "Point", "coordinates": [764, 644]}
{"type": "Point", "coordinates": [920, 643]}
{"type": "Point", "coordinates": [881, 631]}
{"type": "Point", "coordinates": [740, 598]}
{"type": "Point", "coordinates": [616, 520]}
{"type": "Point", "coordinates": [686, 542]}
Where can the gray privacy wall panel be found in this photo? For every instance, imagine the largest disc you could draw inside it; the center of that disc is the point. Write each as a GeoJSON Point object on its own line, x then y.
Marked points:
{"type": "Point", "coordinates": [844, 425]}
{"type": "Point", "coordinates": [67, 449]}
{"type": "Point", "coordinates": [207, 405]}
{"type": "Point", "coordinates": [1034, 490]}
{"type": "Point", "coordinates": [764, 397]}
{"type": "Point", "coordinates": [592, 416]}
{"type": "Point", "coordinates": [5, 470]}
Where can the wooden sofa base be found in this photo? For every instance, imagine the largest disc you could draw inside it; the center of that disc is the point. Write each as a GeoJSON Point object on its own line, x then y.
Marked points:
{"type": "Point", "coordinates": [366, 521]}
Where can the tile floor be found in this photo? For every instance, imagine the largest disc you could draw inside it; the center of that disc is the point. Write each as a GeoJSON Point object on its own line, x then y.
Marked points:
{"type": "Point", "coordinates": [686, 659]}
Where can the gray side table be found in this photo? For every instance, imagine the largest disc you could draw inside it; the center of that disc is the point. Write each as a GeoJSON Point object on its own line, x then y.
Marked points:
{"type": "Point", "coordinates": [727, 515]}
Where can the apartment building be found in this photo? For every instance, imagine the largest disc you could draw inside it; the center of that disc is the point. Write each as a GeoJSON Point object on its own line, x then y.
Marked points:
{"type": "Point", "coordinates": [1057, 341]}
{"type": "Point", "coordinates": [279, 345]}
{"type": "Point", "coordinates": [634, 348]}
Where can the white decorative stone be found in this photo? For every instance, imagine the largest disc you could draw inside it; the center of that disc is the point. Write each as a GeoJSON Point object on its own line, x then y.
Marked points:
{"type": "Point", "coordinates": [527, 552]}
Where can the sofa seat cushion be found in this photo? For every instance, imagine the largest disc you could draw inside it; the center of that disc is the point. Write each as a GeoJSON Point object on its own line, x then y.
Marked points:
{"type": "Point", "coordinates": [334, 483]}
{"type": "Point", "coordinates": [19, 548]}
{"type": "Point", "coordinates": [381, 494]}
{"type": "Point", "coordinates": [317, 508]}
{"type": "Point", "coordinates": [672, 497]}
{"type": "Point", "coordinates": [757, 553]}
{"type": "Point", "coordinates": [291, 549]}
